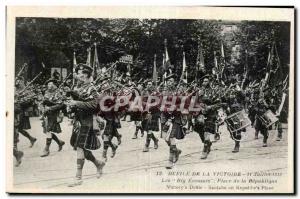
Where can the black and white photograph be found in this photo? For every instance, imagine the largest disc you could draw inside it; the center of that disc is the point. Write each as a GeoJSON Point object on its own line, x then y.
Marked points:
{"type": "Point", "coordinates": [150, 100]}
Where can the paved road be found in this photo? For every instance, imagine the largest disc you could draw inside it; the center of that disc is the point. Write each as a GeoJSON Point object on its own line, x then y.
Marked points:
{"type": "Point", "coordinates": [134, 171]}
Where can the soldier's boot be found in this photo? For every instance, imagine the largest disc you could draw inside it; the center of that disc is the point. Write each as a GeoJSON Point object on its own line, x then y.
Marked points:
{"type": "Point", "coordinates": [146, 148]}
{"type": "Point", "coordinates": [279, 135]}
{"type": "Point", "coordinates": [177, 152]}
{"type": "Point", "coordinates": [142, 133]}
{"type": "Point", "coordinates": [170, 163]}
{"type": "Point", "coordinates": [27, 135]}
{"type": "Point", "coordinates": [119, 138]}
{"type": "Point", "coordinates": [59, 142]}
{"type": "Point", "coordinates": [236, 147]}
{"type": "Point", "coordinates": [114, 149]}
{"type": "Point", "coordinates": [217, 136]}
{"type": "Point", "coordinates": [256, 135]}
{"type": "Point", "coordinates": [155, 140]}
{"type": "Point", "coordinates": [18, 155]}
{"type": "Point", "coordinates": [265, 141]}
{"type": "Point", "coordinates": [32, 141]}
{"type": "Point", "coordinates": [78, 177]}
{"type": "Point", "coordinates": [205, 151]}
{"type": "Point", "coordinates": [99, 164]}
{"type": "Point", "coordinates": [46, 150]}
{"type": "Point", "coordinates": [209, 143]}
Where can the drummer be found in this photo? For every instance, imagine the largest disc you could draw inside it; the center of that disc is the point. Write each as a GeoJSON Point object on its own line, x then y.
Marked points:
{"type": "Point", "coordinates": [261, 108]}
{"type": "Point", "coordinates": [235, 105]}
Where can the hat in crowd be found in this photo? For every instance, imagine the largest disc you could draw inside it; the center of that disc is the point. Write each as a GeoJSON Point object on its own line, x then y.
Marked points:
{"type": "Point", "coordinates": [205, 77]}
{"type": "Point", "coordinates": [55, 82]}
{"type": "Point", "coordinates": [84, 67]}
{"type": "Point", "coordinates": [170, 77]}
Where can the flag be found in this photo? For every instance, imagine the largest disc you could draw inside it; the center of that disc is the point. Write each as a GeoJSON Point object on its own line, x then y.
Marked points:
{"type": "Point", "coordinates": [216, 68]}
{"type": "Point", "coordinates": [166, 52]}
{"type": "Point", "coordinates": [154, 72]}
{"type": "Point", "coordinates": [88, 60]}
{"type": "Point", "coordinates": [200, 59]}
{"type": "Point", "coordinates": [274, 69]}
{"type": "Point", "coordinates": [164, 69]}
{"type": "Point", "coordinates": [95, 62]}
{"type": "Point", "coordinates": [184, 71]}
{"type": "Point", "coordinates": [167, 59]}
{"type": "Point", "coordinates": [74, 66]}
{"type": "Point", "coordinates": [222, 50]}
{"type": "Point", "coordinates": [222, 63]}
{"type": "Point", "coordinates": [245, 69]}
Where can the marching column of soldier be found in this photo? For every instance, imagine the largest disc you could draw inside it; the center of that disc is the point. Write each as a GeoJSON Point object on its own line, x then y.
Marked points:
{"type": "Point", "coordinates": [80, 102]}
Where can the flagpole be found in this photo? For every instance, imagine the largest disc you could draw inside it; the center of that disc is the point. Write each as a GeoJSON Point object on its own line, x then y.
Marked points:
{"type": "Point", "coordinates": [154, 72]}
{"type": "Point", "coordinates": [74, 66]}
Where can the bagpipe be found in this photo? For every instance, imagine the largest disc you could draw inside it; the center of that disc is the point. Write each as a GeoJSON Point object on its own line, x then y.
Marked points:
{"type": "Point", "coordinates": [28, 93]}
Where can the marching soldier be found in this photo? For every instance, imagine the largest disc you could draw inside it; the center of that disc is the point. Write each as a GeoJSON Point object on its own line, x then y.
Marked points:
{"type": "Point", "coordinates": [261, 108]}
{"type": "Point", "coordinates": [17, 153]}
{"type": "Point", "coordinates": [234, 105]}
{"type": "Point", "coordinates": [112, 123]}
{"type": "Point", "coordinates": [205, 124]}
{"type": "Point", "coordinates": [24, 101]}
{"type": "Point", "coordinates": [253, 110]}
{"type": "Point", "coordinates": [282, 114]}
{"type": "Point", "coordinates": [84, 138]}
{"type": "Point", "coordinates": [136, 116]}
{"type": "Point", "coordinates": [172, 125]}
{"type": "Point", "coordinates": [52, 116]}
{"type": "Point", "coordinates": [150, 120]}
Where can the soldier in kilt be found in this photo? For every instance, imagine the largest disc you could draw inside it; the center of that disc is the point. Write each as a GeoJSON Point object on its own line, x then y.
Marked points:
{"type": "Point", "coordinates": [260, 109]}
{"type": "Point", "coordinates": [24, 107]}
{"type": "Point", "coordinates": [52, 116]}
{"type": "Point", "coordinates": [274, 100]}
{"type": "Point", "coordinates": [282, 116]}
{"type": "Point", "coordinates": [112, 123]}
{"type": "Point", "coordinates": [172, 124]}
{"type": "Point", "coordinates": [234, 104]}
{"type": "Point", "coordinates": [84, 138]}
{"type": "Point", "coordinates": [17, 154]}
{"type": "Point", "coordinates": [136, 116]}
{"type": "Point", "coordinates": [205, 124]}
{"type": "Point", "coordinates": [252, 109]}
{"type": "Point", "coordinates": [150, 121]}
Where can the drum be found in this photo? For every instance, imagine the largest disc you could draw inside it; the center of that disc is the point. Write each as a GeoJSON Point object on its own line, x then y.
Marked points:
{"type": "Point", "coordinates": [268, 118]}
{"type": "Point", "coordinates": [237, 121]}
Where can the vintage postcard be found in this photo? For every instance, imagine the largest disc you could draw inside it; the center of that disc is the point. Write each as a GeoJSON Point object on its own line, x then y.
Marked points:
{"type": "Point", "coordinates": [170, 100]}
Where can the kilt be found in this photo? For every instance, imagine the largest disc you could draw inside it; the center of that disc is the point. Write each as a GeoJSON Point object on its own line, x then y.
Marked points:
{"type": "Point", "coordinates": [84, 137]}
{"type": "Point", "coordinates": [177, 131]}
{"type": "Point", "coordinates": [208, 126]}
{"type": "Point", "coordinates": [23, 121]}
{"type": "Point", "coordinates": [151, 124]}
{"type": "Point", "coordinates": [199, 128]}
{"type": "Point", "coordinates": [259, 126]}
{"type": "Point", "coordinates": [251, 115]}
{"type": "Point", "coordinates": [136, 116]}
{"type": "Point", "coordinates": [53, 125]}
{"type": "Point", "coordinates": [110, 128]}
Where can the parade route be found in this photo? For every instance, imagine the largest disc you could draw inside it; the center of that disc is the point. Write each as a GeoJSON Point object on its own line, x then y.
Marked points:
{"type": "Point", "coordinates": [131, 169]}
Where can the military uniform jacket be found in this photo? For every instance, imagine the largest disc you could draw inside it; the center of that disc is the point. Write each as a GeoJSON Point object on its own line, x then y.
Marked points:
{"type": "Point", "coordinates": [22, 108]}
{"type": "Point", "coordinates": [53, 101]}
{"type": "Point", "coordinates": [83, 134]}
